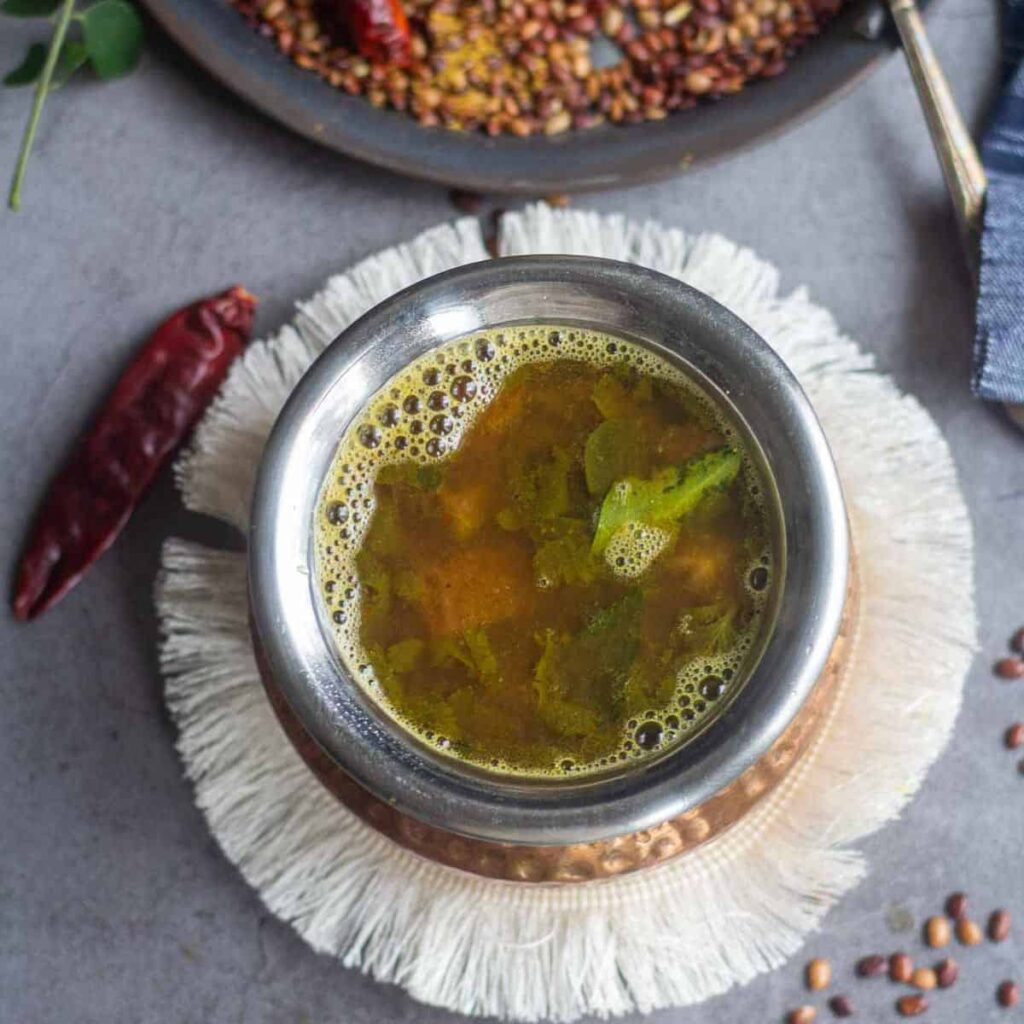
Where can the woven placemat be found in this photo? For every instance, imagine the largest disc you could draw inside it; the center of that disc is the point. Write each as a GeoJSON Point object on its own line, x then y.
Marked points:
{"type": "Point", "coordinates": [674, 935]}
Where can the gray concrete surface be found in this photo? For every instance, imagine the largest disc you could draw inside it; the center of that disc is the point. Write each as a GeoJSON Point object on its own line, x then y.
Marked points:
{"type": "Point", "coordinates": [115, 905]}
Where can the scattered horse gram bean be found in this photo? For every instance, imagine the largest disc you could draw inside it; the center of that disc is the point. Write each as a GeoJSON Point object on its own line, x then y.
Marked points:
{"type": "Point", "coordinates": [956, 906]}
{"type": "Point", "coordinates": [1010, 668]}
{"type": "Point", "coordinates": [901, 967]}
{"type": "Point", "coordinates": [937, 932]}
{"type": "Point", "coordinates": [1008, 994]}
{"type": "Point", "coordinates": [968, 932]}
{"type": "Point", "coordinates": [924, 978]}
{"type": "Point", "coordinates": [841, 1006]}
{"type": "Point", "coordinates": [557, 200]}
{"type": "Point", "coordinates": [819, 974]}
{"type": "Point", "coordinates": [911, 1006]}
{"type": "Point", "coordinates": [871, 966]}
{"type": "Point", "coordinates": [946, 972]}
{"type": "Point", "coordinates": [999, 925]}
{"type": "Point", "coordinates": [802, 1015]}
{"type": "Point", "coordinates": [466, 202]}
{"type": "Point", "coordinates": [1014, 736]}
{"type": "Point", "coordinates": [1017, 641]}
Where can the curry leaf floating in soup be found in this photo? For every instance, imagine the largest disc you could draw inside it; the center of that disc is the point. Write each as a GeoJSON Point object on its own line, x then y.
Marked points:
{"type": "Point", "coordinates": [543, 550]}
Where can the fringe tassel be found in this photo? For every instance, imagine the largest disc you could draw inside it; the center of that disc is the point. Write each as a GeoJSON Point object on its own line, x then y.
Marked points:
{"type": "Point", "coordinates": [678, 934]}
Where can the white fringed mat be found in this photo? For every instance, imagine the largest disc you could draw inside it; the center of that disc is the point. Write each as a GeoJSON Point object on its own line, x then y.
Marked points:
{"type": "Point", "coordinates": [673, 935]}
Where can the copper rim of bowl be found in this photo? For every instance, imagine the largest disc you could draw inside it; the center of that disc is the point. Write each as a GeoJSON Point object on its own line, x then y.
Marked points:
{"type": "Point", "coordinates": [728, 360]}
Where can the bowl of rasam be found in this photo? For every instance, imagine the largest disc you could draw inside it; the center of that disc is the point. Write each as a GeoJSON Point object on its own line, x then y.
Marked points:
{"type": "Point", "coordinates": [549, 568]}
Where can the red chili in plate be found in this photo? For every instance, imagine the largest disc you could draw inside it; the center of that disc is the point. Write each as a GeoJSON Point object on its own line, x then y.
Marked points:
{"type": "Point", "coordinates": [379, 29]}
{"type": "Point", "coordinates": [154, 404]}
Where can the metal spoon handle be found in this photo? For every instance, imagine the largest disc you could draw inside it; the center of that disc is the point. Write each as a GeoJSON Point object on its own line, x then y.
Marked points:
{"type": "Point", "coordinates": [961, 165]}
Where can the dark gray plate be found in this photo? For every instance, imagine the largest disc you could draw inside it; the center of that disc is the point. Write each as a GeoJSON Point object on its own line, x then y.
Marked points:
{"type": "Point", "coordinates": [606, 157]}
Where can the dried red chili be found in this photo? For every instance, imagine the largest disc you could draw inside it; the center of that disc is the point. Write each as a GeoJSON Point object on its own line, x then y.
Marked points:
{"type": "Point", "coordinates": [155, 402]}
{"type": "Point", "coordinates": [379, 29]}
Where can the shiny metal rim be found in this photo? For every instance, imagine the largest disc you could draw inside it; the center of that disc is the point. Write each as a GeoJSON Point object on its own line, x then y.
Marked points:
{"type": "Point", "coordinates": [681, 324]}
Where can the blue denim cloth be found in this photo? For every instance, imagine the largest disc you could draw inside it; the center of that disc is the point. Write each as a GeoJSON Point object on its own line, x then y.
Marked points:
{"type": "Point", "coordinates": [999, 345]}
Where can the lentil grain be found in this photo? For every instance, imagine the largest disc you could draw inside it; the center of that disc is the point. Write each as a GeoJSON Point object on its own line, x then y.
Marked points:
{"type": "Point", "coordinates": [1010, 668]}
{"type": "Point", "coordinates": [1008, 994]}
{"type": "Point", "coordinates": [937, 932]}
{"type": "Point", "coordinates": [1017, 641]}
{"type": "Point", "coordinates": [802, 1015]}
{"type": "Point", "coordinates": [924, 978]}
{"type": "Point", "coordinates": [841, 1006]}
{"type": "Point", "coordinates": [871, 966]}
{"type": "Point", "coordinates": [466, 202]}
{"type": "Point", "coordinates": [968, 932]}
{"type": "Point", "coordinates": [946, 972]}
{"type": "Point", "coordinates": [999, 925]}
{"type": "Point", "coordinates": [901, 967]}
{"type": "Point", "coordinates": [911, 1006]}
{"type": "Point", "coordinates": [818, 974]}
{"type": "Point", "coordinates": [956, 906]}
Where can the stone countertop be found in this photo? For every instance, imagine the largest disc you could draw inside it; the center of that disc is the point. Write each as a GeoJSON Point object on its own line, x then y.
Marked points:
{"type": "Point", "coordinates": [115, 904]}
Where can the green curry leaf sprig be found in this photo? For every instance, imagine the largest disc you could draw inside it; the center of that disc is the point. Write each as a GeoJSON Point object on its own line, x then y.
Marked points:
{"type": "Point", "coordinates": [110, 41]}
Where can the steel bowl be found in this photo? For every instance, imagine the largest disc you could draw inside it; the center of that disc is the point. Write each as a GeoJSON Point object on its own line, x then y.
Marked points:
{"type": "Point", "coordinates": [350, 738]}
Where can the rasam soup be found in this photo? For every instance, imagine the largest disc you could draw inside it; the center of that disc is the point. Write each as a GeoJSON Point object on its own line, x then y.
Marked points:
{"type": "Point", "coordinates": [544, 551]}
